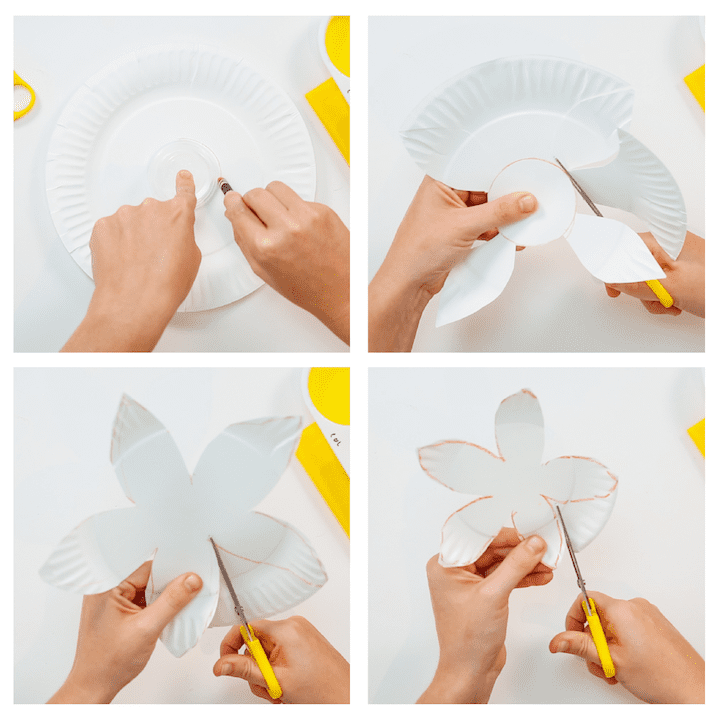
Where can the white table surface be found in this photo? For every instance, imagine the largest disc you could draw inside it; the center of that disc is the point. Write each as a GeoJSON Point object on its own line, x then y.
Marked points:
{"type": "Point", "coordinates": [551, 303]}
{"type": "Point", "coordinates": [55, 55]}
{"type": "Point", "coordinates": [634, 421]}
{"type": "Point", "coordinates": [63, 422]}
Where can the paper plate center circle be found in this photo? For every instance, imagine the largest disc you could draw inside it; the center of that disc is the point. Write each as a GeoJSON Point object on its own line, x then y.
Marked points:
{"type": "Point", "coordinates": [184, 154]}
{"type": "Point", "coordinates": [555, 194]}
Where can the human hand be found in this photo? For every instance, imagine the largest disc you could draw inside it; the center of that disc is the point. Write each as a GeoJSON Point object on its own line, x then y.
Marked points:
{"type": "Point", "coordinates": [685, 279]}
{"type": "Point", "coordinates": [471, 613]}
{"type": "Point", "coordinates": [652, 659]}
{"type": "Point", "coordinates": [301, 249]}
{"type": "Point", "coordinates": [440, 228]}
{"type": "Point", "coordinates": [118, 633]}
{"type": "Point", "coordinates": [144, 262]}
{"type": "Point", "coordinates": [309, 669]}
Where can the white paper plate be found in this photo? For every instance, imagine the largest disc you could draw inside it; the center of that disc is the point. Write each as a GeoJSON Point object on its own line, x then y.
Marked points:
{"type": "Point", "coordinates": [638, 182]}
{"type": "Point", "coordinates": [117, 121]}
{"type": "Point", "coordinates": [468, 129]}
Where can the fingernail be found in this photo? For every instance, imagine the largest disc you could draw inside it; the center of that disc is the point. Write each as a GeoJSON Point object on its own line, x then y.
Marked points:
{"type": "Point", "coordinates": [536, 544]}
{"type": "Point", "coordinates": [184, 173]}
{"type": "Point", "coordinates": [226, 669]}
{"type": "Point", "coordinates": [193, 583]}
{"type": "Point", "coordinates": [527, 202]}
{"type": "Point", "coordinates": [562, 646]}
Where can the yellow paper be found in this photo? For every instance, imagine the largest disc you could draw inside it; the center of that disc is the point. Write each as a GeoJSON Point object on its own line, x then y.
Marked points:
{"type": "Point", "coordinates": [696, 83]}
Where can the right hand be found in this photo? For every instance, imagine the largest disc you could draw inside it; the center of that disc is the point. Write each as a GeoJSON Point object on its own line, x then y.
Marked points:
{"type": "Point", "coordinates": [309, 669]}
{"type": "Point", "coordinates": [440, 228]}
{"type": "Point", "coordinates": [684, 279]}
{"type": "Point", "coordinates": [652, 659]}
{"type": "Point", "coordinates": [301, 249]}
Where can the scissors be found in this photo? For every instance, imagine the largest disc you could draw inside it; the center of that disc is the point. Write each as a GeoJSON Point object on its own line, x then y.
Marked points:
{"type": "Point", "coordinates": [588, 606]}
{"type": "Point", "coordinates": [253, 644]}
{"type": "Point", "coordinates": [655, 286]}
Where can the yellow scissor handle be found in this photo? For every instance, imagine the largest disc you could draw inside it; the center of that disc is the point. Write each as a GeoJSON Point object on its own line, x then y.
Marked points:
{"type": "Point", "coordinates": [659, 290]}
{"type": "Point", "coordinates": [256, 650]}
{"type": "Point", "coordinates": [599, 639]}
{"type": "Point", "coordinates": [18, 81]}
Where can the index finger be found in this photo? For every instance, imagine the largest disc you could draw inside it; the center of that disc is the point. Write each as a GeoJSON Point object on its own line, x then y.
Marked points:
{"type": "Point", "coordinates": [185, 185]}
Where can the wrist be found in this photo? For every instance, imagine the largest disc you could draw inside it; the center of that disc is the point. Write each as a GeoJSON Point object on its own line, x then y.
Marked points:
{"type": "Point", "coordinates": [455, 687]}
{"type": "Point", "coordinates": [82, 692]}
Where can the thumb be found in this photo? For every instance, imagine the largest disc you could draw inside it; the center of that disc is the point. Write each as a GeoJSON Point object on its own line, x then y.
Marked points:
{"type": "Point", "coordinates": [575, 643]}
{"type": "Point", "coordinates": [520, 561]}
{"type": "Point", "coordinates": [504, 210]}
{"type": "Point", "coordinates": [242, 666]}
{"type": "Point", "coordinates": [172, 600]}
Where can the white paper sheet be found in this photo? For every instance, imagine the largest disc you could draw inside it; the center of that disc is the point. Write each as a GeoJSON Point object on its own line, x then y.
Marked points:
{"type": "Point", "coordinates": [271, 565]}
{"type": "Point", "coordinates": [513, 488]}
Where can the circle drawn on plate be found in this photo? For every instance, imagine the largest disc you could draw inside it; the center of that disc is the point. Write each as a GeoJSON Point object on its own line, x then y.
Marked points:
{"type": "Point", "coordinates": [556, 201]}
{"type": "Point", "coordinates": [188, 154]}
{"type": "Point", "coordinates": [122, 119]}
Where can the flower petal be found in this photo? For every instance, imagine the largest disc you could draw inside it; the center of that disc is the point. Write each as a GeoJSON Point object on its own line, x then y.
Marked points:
{"type": "Point", "coordinates": [240, 467]}
{"type": "Point", "coordinates": [101, 552]}
{"type": "Point", "coordinates": [552, 534]}
{"type": "Point", "coordinates": [189, 555]}
{"type": "Point", "coordinates": [638, 182]}
{"type": "Point", "coordinates": [611, 251]}
{"type": "Point", "coordinates": [272, 567]}
{"type": "Point", "coordinates": [467, 533]}
{"type": "Point", "coordinates": [147, 462]}
{"type": "Point", "coordinates": [463, 467]}
{"type": "Point", "coordinates": [520, 430]}
{"type": "Point", "coordinates": [592, 499]}
{"type": "Point", "coordinates": [477, 281]}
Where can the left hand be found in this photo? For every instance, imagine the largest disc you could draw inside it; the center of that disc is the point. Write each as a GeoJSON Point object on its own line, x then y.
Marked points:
{"type": "Point", "coordinates": [471, 614]}
{"type": "Point", "coordinates": [118, 633]}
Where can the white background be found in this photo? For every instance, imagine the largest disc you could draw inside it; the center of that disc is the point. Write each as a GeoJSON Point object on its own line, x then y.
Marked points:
{"type": "Point", "coordinates": [63, 475]}
{"type": "Point", "coordinates": [551, 303]}
{"type": "Point", "coordinates": [634, 421]}
{"type": "Point", "coordinates": [55, 55]}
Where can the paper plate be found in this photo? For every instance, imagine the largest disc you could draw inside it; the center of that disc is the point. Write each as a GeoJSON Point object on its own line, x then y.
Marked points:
{"type": "Point", "coordinates": [117, 122]}
{"type": "Point", "coordinates": [515, 489]}
{"type": "Point", "coordinates": [271, 565]}
{"type": "Point", "coordinates": [464, 132]}
{"type": "Point", "coordinates": [638, 182]}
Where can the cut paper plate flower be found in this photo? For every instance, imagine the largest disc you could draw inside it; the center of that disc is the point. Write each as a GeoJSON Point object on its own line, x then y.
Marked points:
{"type": "Point", "coordinates": [501, 127]}
{"type": "Point", "coordinates": [271, 565]}
{"type": "Point", "coordinates": [516, 489]}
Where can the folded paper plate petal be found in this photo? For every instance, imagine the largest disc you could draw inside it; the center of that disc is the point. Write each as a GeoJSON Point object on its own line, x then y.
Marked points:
{"type": "Point", "coordinates": [187, 627]}
{"type": "Point", "coordinates": [520, 429]}
{"type": "Point", "coordinates": [101, 552]}
{"type": "Point", "coordinates": [477, 281]}
{"type": "Point", "coordinates": [147, 462]}
{"type": "Point", "coordinates": [272, 566]}
{"type": "Point", "coordinates": [468, 532]}
{"type": "Point", "coordinates": [638, 182]}
{"type": "Point", "coordinates": [463, 467]}
{"type": "Point", "coordinates": [612, 252]}
{"type": "Point", "coordinates": [261, 448]}
{"type": "Point", "coordinates": [552, 534]}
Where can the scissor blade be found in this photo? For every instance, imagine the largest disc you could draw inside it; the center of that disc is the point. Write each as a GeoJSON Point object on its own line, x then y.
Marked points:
{"type": "Point", "coordinates": [580, 190]}
{"type": "Point", "coordinates": [228, 583]}
{"type": "Point", "coordinates": [568, 542]}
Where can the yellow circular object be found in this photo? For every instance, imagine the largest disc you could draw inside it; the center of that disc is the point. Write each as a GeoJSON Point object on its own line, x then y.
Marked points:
{"type": "Point", "coordinates": [337, 43]}
{"type": "Point", "coordinates": [329, 390]}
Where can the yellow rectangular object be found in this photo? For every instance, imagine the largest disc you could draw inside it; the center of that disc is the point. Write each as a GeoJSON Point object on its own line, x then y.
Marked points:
{"type": "Point", "coordinates": [697, 433]}
{"type": "Point", "coordinates": [334, 112]}
{"type": "Point", "coordinates": [696, 84]}
{"type": "Point", "coordinates": [326, 472]}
